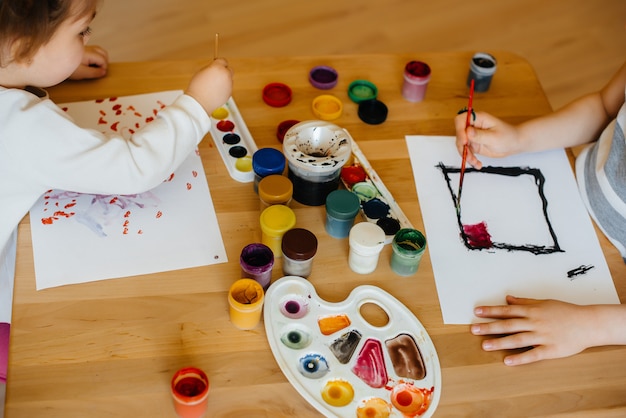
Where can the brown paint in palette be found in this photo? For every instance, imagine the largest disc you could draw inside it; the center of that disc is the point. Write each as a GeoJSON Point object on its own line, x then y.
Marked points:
{"type": "Point", "coordinates": [345, 365]}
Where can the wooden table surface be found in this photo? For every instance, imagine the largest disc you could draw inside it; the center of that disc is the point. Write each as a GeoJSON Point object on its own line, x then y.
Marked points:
{"type": "Point", "coordinates": [110, 348]}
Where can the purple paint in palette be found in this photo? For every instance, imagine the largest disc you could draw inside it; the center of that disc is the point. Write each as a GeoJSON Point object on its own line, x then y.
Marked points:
{"type": "Point", "coordinates": [344, 365]}
{"type": "Point", "coordinates": [233, 141]}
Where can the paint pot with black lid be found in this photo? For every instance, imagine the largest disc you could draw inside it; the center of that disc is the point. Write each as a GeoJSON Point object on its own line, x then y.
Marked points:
{"type": "Point", "coordinates": [315, 151]}
{"type": "Point", "coordinates": [482, 69]}
{"type": "Point", "coordinates": [299, 247]}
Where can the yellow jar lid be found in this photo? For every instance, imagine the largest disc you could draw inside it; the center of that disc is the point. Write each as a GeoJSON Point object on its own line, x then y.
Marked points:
{"type": "Point", "coordinates": [327, 107]}
{"type": "Point", "coordinates": [277, 219]}
{"type": "Point", "coordinates": [275, 188]}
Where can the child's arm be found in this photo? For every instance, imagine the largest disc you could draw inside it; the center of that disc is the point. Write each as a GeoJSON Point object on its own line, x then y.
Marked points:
{"type": "Point", "coordinates": [94, 65]}
{"type": "Point", "coordinates": [579, 122]}
{"type": "Point", "coordinates": [553, 329]}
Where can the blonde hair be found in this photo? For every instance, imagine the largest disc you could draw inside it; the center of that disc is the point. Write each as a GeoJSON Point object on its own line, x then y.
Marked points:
{"type": "Point", "coordinates": [27, 25]}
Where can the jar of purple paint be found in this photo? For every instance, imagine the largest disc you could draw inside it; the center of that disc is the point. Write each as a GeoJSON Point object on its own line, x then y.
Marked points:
{"type": "Point", "coordinates": [257, 263]}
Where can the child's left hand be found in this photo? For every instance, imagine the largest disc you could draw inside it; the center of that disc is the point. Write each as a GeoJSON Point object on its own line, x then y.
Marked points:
{"type": "Point", "coordinates": [94, 65]}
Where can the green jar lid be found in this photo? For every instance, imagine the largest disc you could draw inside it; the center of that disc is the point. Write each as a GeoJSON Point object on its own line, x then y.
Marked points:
{"type": "Point", "coordinates": [361, 90]}
{"type": "Point", "coordinates": [342, 204]}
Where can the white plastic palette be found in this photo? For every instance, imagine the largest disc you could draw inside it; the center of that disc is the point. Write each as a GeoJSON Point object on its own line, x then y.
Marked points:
{"type": "Point", "coordinates": [234, 141]}
{"type": "Point", "coordinates": [374, 194]}
{"type": "Point", "coordinates": [343, 365]}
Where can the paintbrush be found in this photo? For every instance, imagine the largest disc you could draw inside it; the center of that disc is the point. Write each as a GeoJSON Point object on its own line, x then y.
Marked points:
{"type": "Point", "coordinates": [215, 49]}
{"type": "Point", "coordinates": [463, 160]}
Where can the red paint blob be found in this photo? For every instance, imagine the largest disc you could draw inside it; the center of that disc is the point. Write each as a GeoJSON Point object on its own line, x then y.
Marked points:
{"type": "Point", "coordinates": [353, 174]}
{"type": "Point", "coordinates": [477, 235]}
{"type": "Point", "coordinates": [225, 125]}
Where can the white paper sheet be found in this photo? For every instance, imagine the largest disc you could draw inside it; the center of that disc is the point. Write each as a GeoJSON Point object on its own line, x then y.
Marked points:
{"type": "Point", "coordinates": [529, 249]}
{"type": "Point", "coordinates": [79, 238]}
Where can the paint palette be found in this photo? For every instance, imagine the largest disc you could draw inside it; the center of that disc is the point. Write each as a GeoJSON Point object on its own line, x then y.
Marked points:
{"type": "Point", "coordinates": [234, 141]}
{"type": "Point", "coordinates": [377, 204]}
{"type": "Point", "coordinates": [342, 364]}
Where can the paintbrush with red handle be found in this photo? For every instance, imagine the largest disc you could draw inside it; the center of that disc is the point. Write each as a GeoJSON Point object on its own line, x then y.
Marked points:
{"type": "Point", "coordinates": [467, 123]}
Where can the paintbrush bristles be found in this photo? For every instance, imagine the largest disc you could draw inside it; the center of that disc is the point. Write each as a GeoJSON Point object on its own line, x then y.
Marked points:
{"type": "Point", "coordinates": [215, 46]}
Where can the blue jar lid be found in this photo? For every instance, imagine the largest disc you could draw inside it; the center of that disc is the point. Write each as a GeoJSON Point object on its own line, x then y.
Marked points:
{"type": "Point", "coordinates": [342, 204]}
{"type": "Point", "coordinates": [266, 161]}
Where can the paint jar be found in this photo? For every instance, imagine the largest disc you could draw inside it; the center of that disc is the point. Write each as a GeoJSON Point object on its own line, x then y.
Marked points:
{"type": "Point", "coordinates": [275, 189]}
{"type": "Point", "coordinates": [482, 69]}
{"type": "Point", "coordinates": [315, 151]}
{"type": "Point", "coordinates": [341, 209]}
{"type": "Point", "coordinates": [299, 247]}
{"type": "Point", "coordinates": [408, 247]}
{"type": "Point", "coordinates": [245, 300]}
{"type": "Point", "coordinates": [190, 390]}
{"type": "Point", "coordinates": [366, 242]}
{"type": "Point", "coordinates": [265, 162]}
{"type": "Point", "coordinates": [275, 221]}
{"type": "Point", "coordinates": [416, 78]}
{"type": "Point", "coordinates": [257, 262]}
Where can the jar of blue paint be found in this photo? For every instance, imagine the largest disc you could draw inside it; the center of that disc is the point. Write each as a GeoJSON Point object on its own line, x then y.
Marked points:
{"type": "Point", "coordinates": [342, 207]}
{"type": "Point", "coordinates": [408, 247]}
{"type": "Point", "coordinates": [265, 162]}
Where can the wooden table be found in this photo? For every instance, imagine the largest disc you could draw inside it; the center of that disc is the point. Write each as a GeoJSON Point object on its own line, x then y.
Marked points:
{"type": "Point", "coordinates": [110, 348]}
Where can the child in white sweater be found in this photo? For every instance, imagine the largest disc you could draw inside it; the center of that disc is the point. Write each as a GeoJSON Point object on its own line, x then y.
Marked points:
{"type": "Point", "coordinates": [43, 43]}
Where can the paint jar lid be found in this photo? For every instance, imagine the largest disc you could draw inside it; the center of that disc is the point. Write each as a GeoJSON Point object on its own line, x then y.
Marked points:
{"type": "Point", "coordinates": [275, 189]}
{"type": "Point", "coordinates": [367, 238]}
{"type": "Point", "coordinates": [327, 107]}
{"type": "Point", "coordinates": [342, 204]}
{"type": "Point", "coordinates": [266, 161]}
{"type": "Point", "coordinates": [277, 94]}
{"type": "Point", "coordinates": [373, 112]}
{"type": "Point", "coordinates": [277, 219]}
{"type": "Point", "coordinates": [299, 244]}
{"type": "Point", "coordinates": [323, 77]}
{"type": "Point", "coordinates": [283, 127]}
{"type": "Point", "coordinates": [361, 90]}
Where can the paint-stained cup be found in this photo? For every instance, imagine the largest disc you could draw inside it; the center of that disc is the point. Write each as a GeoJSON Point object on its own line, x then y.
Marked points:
{"type": "Point", "coordinates": [190, 390]}
{"type": "Point", "coordinates": [257, 262]}
{"type": "Point", "coordinates": [416, 78]}
{"type": "Point", "coordinates": [245, 298]}
{"type": "Point", "coordinates": [408, 247]}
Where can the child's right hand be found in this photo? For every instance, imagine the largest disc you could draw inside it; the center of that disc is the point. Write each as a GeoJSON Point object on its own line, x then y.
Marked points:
{"type": "Point", "coordinates": [212, 85]}
{"type": "Point", "coordinates": [487, 135]}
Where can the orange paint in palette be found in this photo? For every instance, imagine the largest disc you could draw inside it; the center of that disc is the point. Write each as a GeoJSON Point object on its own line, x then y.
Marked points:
{"type": "Point", "coordinates": [346, 366]}
{"type": "Point", "coordinates": [233, 141]}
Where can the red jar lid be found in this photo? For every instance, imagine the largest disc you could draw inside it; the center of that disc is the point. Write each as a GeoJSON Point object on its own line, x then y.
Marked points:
{"type": "Point", "coordinates": [277, 94]}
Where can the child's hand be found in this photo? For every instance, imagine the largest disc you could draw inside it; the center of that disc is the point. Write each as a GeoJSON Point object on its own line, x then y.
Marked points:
{"type": "Point", "coordinates": [212, 86]}
{"type": "Point", "coordinates": [94, 65]}
{"type": "Point", "coordinates": [488, 136]}
{"type": "Point", "coordinates": [552, 328]}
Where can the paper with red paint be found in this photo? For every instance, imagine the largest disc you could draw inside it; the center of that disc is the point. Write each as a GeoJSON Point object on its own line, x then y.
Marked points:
{"type": "Point", "coordinates": [80, 237]}
{"type": "Point", "coordinates": [521, 229]}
